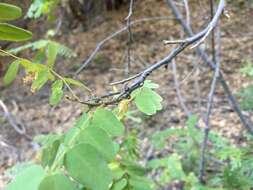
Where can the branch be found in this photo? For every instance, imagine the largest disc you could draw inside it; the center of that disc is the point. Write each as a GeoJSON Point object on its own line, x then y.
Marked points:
{"type": "Point", "coordinates": [86, 62]}
{"type": "Point", "coordinates": [20, 128]}
{"type": "Point", "coordinates": [130, 36]}
{"type": "Point", "coordinates": [206, 59]}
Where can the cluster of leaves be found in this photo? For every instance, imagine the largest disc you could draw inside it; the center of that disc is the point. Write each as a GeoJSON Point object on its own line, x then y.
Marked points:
{"type": "Point", "coordinates": [228, 166]}
{"type": "Point", "coordinates": [41, 69]}
{"type": "Point", "coordinates": [88, 156]}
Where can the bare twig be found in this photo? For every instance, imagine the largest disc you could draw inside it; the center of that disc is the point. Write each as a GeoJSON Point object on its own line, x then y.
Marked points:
{"type": "Point", "coordinates": [178, 91]}
{"type": "Point", "coordinates": [125, 93]}
{"type": "Point", "coordinates": [187, 11]}
{"type": "Point", "coordinates": [130, 36]}
{"type": "Point", "coordinates": [86, 62]}
{"type": "Point", "coordinates": [216, 59]}
{"type": "Point", "coordinates": [19, 127]}
{"type": "Point", "coordinates": [126, 80]}
{"type": "Point", "coordinates": [204, 33]}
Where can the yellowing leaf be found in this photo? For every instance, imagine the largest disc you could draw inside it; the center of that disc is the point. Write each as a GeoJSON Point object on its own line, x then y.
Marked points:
{"type": "Point", "coordinates": [123, 108]}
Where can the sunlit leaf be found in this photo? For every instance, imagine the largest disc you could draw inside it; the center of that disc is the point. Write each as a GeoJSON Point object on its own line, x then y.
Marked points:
{"type": "Point", "coordinates": [9, 32]}
{"type": "Point", "coordinates": [9, 12]}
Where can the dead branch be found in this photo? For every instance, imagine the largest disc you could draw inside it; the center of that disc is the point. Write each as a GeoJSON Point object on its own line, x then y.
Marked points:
{"type": "Point", "coordinates": [203, 55]}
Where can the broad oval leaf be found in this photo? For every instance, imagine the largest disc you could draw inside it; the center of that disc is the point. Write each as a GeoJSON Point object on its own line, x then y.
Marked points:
{"type": "Point", "coordinates": [88, 167]}
{"type": "Point", "coordinates": [29, 179]}
{"type": "Point", "coordinates": [9, 32]}
{"type": "Point", "coordinates": [147, 101]}
{"type": "Point", "coordinates": [106, 120]}
{"type": "Point", "coordinates": [11, 73]}
{"type": "Point", "coordinates": [99, 139]}
{"type": "Point", "coordinates": [57, 182]}
{"type": "Point", "coordinates": [9, 12]}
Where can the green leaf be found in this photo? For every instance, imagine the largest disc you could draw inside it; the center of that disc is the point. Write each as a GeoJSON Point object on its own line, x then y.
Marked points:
{"type": "Point", "coordinates": [11, 73]}
{"type": "Point", "coordinates": [140, 183]}
{"type": "Point", "coordinates": [246, 100]}
{"type": "Point", "coordinates": [99, 139]}
{"type": "Point", "coordinates": [36, 9]}
{"type": "Point", "coordinates": [147, 101]}
{"type": "Point", "coordinates": [9, 12]}
{"type": "Point", "coordinates": [57, 182]}
{"type": "Point", "coordinates": [57, 92]}
{"type": "Point", "coordinates": [49, 153]}
{"type": "Point", "coordinates": [76, 83]}
{"type": "Point", "coordinates": [28, 179]}
{"type": "Point", "coordinates": [133, 168]}
{"type": "Point", "coordinates": [9, 32]}
{"type": "Point", "coordinates": [106, 120]}
{"type": "Point", "coordinates": [150, 84]}
{"type": "Point", "coordinates": [82, 121]}
{"type": "Point", "coordinates": [175, 167]}
{"type": "Point", "coordinates": [194, 133]}
{"type": "Point", "coordinates": [40, 81]}
{"type": "Point", "coordinates": [51, 54]}
{"type": "Point", "coordinates": [157, 163]}
{"type": "Point", "coordinates": [37, 45]}
{"type": "Point", "coordinates": [120, 185]}
{"type": "Point", "coordinates": [88, 167]}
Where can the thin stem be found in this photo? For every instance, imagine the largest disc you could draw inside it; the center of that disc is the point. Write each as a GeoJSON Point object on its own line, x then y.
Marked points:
{"type": "Point", "coordinates": [130, 37]}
